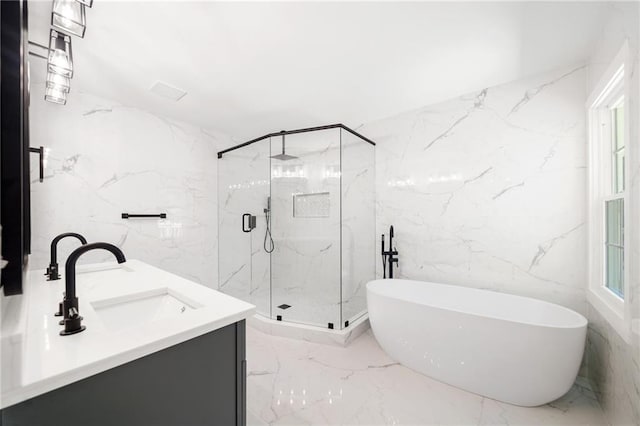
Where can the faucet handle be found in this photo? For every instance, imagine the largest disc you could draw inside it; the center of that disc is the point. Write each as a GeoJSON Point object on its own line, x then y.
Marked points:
{"type": "Point", "coordinates": [52, 272]}
{"type": "Point", "coordinates": [72, 320]}
{"type": "Point", "coordinates": [59, 313]}
{"type": "Point", "coordinates": [73, 324]}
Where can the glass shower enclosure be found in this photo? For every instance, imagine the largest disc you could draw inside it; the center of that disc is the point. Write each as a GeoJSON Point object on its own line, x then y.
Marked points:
{"type": "Point", "coordinates": [296, 224]}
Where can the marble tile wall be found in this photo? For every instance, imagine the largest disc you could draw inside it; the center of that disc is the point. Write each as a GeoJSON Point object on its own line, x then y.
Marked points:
{"type": "Point", "coordinates": [488, 190]}
{"type": "Point", "coordinates": [104, 159]}
{"type": "Point", "coordinates": [613, 371]}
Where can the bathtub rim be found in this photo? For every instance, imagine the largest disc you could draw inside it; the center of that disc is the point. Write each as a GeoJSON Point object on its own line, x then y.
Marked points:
{"type": "Point", "coordinates": [583, 322]}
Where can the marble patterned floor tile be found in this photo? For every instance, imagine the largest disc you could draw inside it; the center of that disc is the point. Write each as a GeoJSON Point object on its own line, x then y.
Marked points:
{"type": "Point", "coordinates": [293, 382]}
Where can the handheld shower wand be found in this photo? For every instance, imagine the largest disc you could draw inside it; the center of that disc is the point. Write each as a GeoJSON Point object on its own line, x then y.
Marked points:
{"type": "Point", "coordinates": [268, 244]}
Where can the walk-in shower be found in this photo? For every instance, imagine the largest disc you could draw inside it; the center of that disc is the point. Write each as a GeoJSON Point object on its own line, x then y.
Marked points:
{"type": "Point", "coordinates": [297, 224]}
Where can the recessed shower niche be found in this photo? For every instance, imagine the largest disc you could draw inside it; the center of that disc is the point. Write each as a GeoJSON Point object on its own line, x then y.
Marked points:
{"type": "Point", "coordinates": [296, 224]}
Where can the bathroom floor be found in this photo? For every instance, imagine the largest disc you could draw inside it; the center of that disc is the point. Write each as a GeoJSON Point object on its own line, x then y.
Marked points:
{"type": "Point", "coordinates": [293, 382]}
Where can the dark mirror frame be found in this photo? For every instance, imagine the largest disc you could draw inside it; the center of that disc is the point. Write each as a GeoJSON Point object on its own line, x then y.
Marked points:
{"type": "Point", "coordinates": [14, 144]}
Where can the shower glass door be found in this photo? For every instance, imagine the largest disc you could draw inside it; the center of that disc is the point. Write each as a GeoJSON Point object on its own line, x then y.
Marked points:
{"type": "Point", "coordinates": [243, 189]}
{"type": "Point", "coordinates": [359, 253]}
{"type": "Point", "coordinates": [305, 225]}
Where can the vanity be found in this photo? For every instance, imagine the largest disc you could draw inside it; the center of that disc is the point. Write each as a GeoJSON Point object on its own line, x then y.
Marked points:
{"type": "Point", "coordinates": [157, 350]}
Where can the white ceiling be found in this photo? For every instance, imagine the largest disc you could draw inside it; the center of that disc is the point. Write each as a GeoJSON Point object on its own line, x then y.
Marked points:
{"type": "Point", "coordinates": [254, 68]}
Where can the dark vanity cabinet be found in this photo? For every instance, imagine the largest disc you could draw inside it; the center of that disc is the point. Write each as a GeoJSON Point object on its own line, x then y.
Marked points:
{"type": "Point", "coordinates": [198, 382]}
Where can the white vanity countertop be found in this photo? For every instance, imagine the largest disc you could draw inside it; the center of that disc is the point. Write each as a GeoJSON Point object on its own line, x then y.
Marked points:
{"type": "Point", "coordinates": [36, 359]}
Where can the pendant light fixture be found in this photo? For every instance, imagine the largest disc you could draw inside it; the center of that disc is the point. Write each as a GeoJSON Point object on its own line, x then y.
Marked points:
{"type": "Point", "coordinates": [67, 19]}
{"type": "Point", "coordinates": [55, 95]}
{"type": "Point", "coordinates": [59, 82]}
{"type": "Point", "coordinates": [60, 56]}
{"type": "Point", "coordinates": [68, 16]}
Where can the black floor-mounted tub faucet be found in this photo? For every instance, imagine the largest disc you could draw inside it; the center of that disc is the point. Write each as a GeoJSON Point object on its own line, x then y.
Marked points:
{"type": "Point", "coordinates": [389, 256]}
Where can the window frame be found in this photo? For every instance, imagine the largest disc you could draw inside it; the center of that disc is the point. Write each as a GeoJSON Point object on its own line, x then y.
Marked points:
{"type": "Point", "coordinates": [618, 100]}
{"type": "Point", "coordinates": [614, 84]}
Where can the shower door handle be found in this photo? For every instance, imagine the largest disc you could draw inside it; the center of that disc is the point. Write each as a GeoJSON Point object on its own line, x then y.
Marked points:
{"type": "Point", "coordinates": [248, 222]}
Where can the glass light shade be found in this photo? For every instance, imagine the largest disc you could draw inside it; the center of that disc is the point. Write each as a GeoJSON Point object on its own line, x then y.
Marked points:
{"type": "Point", "coordinates": [57, 81]}
{"type": "Point", "coordinates": [60, 56]}
{"type": "Point", "coordinates": [87, 3]}
{"type": "Point", "coordinates": [68, 16]}
{"type": "Point", "coordinates": [55, 96]}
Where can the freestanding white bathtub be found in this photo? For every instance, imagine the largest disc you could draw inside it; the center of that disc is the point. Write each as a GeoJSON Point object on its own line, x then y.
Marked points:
{"type": "Point", "coordinates": [514, 349]}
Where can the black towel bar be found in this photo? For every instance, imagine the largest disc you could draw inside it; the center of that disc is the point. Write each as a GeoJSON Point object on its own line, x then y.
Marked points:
{"type": "Point", "coordinates": [130, 216]}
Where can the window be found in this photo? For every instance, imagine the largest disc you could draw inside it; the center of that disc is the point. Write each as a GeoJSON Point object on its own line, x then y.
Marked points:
{"type": "Point", "coordinates": [608, 204]}
{"type": "Point", "coordinates": [614, 246]}
{"type": "Point", "coordinates": [617, 138]}
{"type": "Point", "coordinates": [614, 202]}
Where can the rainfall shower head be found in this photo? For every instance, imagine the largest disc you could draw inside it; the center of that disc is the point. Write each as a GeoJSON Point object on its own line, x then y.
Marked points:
{"type": "Point", "coordinates": [283, 156]}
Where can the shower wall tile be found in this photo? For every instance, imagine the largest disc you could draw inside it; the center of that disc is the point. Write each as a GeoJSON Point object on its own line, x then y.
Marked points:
{"type": "Point", "coordinates": [305, 266]}
{"type": "Point", "coordinates": [103, 159]}
{"type": "Point", "coordinates": [488, 190]}
{"type": "Point", "coordinates": [310, 205]}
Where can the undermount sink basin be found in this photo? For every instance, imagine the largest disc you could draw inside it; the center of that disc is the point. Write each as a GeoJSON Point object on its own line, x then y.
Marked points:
{"type": "Point", "coordinates": [139, 308]}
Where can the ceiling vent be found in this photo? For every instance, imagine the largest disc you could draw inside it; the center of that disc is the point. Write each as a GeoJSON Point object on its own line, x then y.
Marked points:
{"type": "Point", "coordinates": [166, 91]}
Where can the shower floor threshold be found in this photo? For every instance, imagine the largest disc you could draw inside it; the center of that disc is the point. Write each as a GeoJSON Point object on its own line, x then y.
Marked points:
{"type": "Point", "coordinates": [310, 333]}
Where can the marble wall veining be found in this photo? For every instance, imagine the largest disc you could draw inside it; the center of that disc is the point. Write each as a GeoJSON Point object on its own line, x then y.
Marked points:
{"type": "Point", "coordinates": [613, 369]}
{"type": "Point", "coordinates": [103, 159]}
{"type": "Point", "coordinates": [488, 190]}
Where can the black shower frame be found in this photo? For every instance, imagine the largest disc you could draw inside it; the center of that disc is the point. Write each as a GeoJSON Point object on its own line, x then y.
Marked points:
{"type": "Point", "coordinates": [283, 133]}
{"type": "Point", "coordinates": [293, 132]}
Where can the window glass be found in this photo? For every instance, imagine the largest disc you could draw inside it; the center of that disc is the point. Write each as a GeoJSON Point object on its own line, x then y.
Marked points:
{"type": "Point", "coordinates": [614, 246]}
{"type": "Point", "coordinates": [617, 124]}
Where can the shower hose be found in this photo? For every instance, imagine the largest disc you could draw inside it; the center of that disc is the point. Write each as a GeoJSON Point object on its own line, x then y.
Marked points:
{"type": "Point", "coordinates": [268, 244]}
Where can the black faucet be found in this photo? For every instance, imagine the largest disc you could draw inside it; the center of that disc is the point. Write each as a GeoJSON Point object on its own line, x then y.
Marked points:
{"type": "Point", "coordinates": [72, 319]}
{"type": "Point", "coordinates": [52, 270]}
{"type": "Point", "coordinates": [388, 256]}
